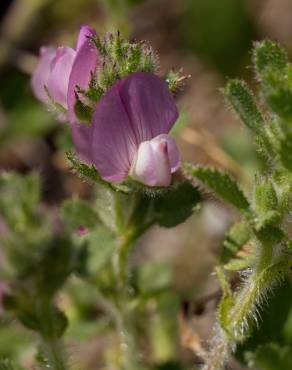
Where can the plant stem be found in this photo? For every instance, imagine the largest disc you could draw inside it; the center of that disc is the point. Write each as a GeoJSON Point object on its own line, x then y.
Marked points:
{"type": "Point", "coordinates": [124, 315]}
{"type": "Point", "coordinates": [244, 310]}
{"type": "Point", "coordinates": [52, 344]}
{"type": "Point", "coordinates": [54, 354]}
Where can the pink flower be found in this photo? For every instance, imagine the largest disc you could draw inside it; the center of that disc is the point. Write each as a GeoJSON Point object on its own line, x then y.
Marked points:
{"type": "Point", "coordinates": [128, 136]}
{"type": "Point", "coordinates": [128, 132]}
{"type": "Point", "coordinates": [55, 75]}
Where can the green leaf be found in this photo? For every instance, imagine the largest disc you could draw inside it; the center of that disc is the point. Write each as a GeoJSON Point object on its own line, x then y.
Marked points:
{"type": "Point", "coordinates": [274, 323]}
{"type": "Point", "coordinates": [277, 89]}
{"type": "Point", "coordinates": [243, 103]}
{"type": "Point", "coordinates": [101, 246]}
{"type": "Point", "coordinates": [285, 147]}
{"type": "Point", "coordinates": [269, 234]}
{"type": "Point", "coordinates": [265, 203]}
{"type": "Point", "coordinates": [265, 196]}
{"type": "Point", "coordinates": [238, 264]}
{"type": "Point", "coordinates": [236, 238]}
{"type": "Point", "coordinates": [227, 300]}
{"type": "Point", "coordinates": [19, 192]}
{"type": "Point", "coordinates": [76, 212]}
{"type": "Point", "coordinates": [163, 278]}
{"type": "Point", "coordinates": [269, 54]}
{"type": "Point", "coordinates": [220, 183]}
{"type": "Point", "coordinates": [177, 205]}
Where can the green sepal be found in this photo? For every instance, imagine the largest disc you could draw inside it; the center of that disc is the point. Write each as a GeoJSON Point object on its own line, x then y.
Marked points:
{"type": "Point", "coordinates": [220, 183]}
{"type": "Point", "coordinates": [84, 171]}
{"type": "Point", "coordinates": [176, 205]}
{"type": "Point", "coordinates": [83, 112]}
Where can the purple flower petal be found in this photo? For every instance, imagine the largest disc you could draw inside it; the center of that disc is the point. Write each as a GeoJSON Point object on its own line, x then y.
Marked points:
{"type": "Point", "coordinates": [172, 150]}
{"type": "Point", "coordinates": [134, 110]}
{"type": "Point", "coordinates": [83, 67]}
{"type": "Point", "coordinates": [58, 80]}
{"type": "Point", "coordinates": [82, 136]}
{"type": "Point", "coordinates": [149, 105]}
{"type": "Point", "coordinates": [155, 161]}
{"type": "Point", "coordinates": [41, 74]}
{"type": "Point", "coordinates": [114, 143]}
{"type": "Point", "coordinates": [84, 34]}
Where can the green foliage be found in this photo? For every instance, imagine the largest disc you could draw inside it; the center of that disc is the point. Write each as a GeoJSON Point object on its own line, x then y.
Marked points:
{"type": "Point", "coordinates": [236, 238]}
{"type": "Point", "coordinates": [83, 170]}
{"type": "Point", "coordinates": [101, 246]}
{"type": "Point", "coordinates": [118, 58]}
{"type": "Point", "coordinates": [6, 364]}
{"type": "Point", "coordinates": [76, 212]}
{"type": "Point", "coordinates": [275, 74]}
{"type": "Point", "coordinates": [269, 54]}
{"type": "Point", "coordinates": [163, 278]}
{"type": "Point", "coordinates": [19, 195]}
{"type": "Point", "coordinates": [242, 101]}
{"type": "Point", "coordinates": [176, 205]}
{"type": "Point", "coordinates": [220, 183]}
{"type": "Point", "coordinates": [275, 330]}
{"type": "Point", "coordinates": [265, 203]}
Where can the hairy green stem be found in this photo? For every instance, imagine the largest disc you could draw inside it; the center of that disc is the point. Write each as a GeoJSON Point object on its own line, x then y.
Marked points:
{"type": "Point", "coordinates": [244, 310]}
{"type": "Point", "coordinates": [52, 344]}
{"type": "Point", "coordinates": [54, 354]}
{"type": "Point", "coordinates": [124, 316]}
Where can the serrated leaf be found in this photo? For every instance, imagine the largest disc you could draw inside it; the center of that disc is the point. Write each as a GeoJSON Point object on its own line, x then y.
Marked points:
{"type": "Point", "coordinates": [277, 89]}
{"type": "Point", "coordinates": [177, 205]}
{"type": "Point", "coordinates": [236, 238]}
{"type": "Point", "coordinates": [220, 183]}
{"type": "Point", "coordinates": [269, 54]}
{"type": "Point", "coordinates": [76, 212]}
{"type": "Point", "coordinates": [242, 101]}
{"type": "Point", "coordinates": [265, 203]}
